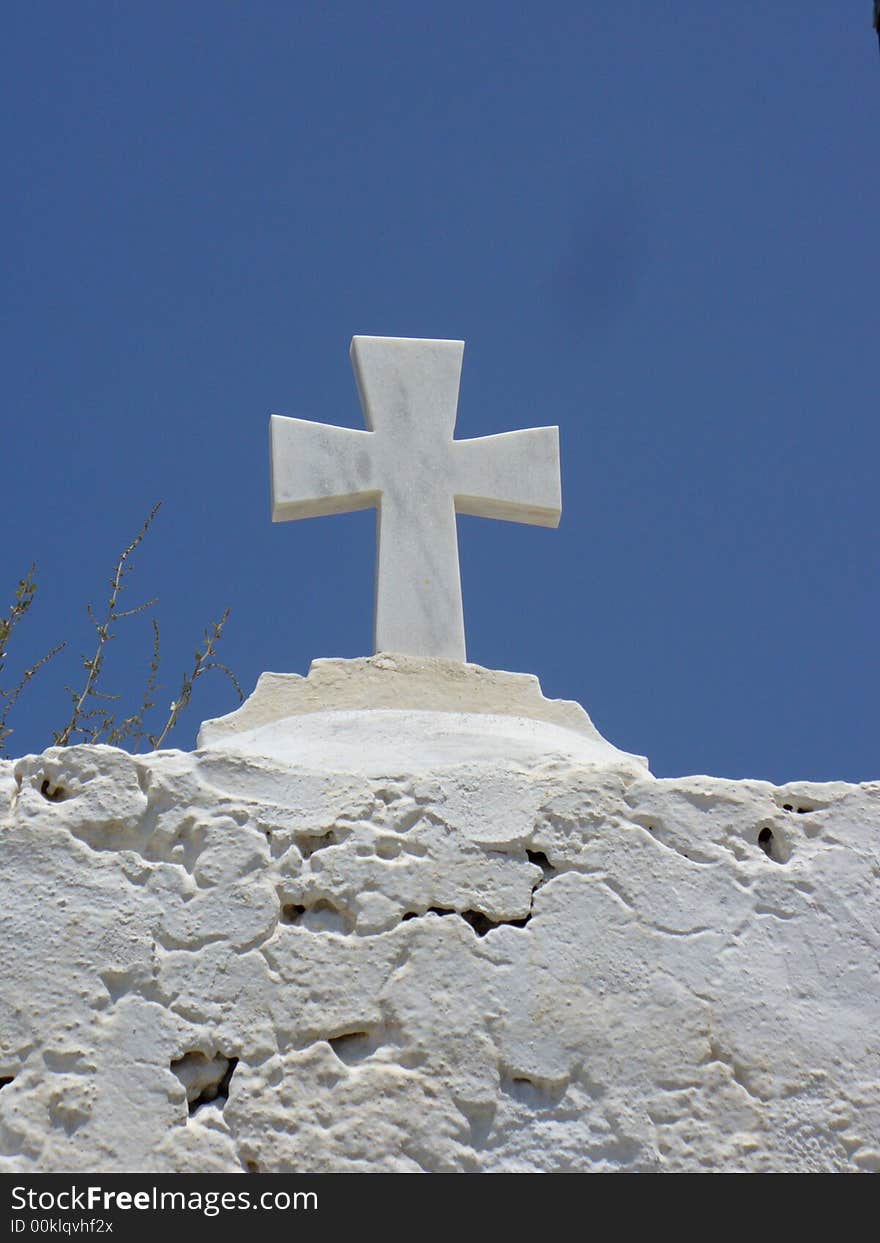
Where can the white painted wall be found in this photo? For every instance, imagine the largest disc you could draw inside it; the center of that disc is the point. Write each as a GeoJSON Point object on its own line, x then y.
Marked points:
{"type": "Point", "coordinates": [537, 963]}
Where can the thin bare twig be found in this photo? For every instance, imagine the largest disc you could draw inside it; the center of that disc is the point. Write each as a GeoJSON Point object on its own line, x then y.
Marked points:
{"type": "Point", "coordinates": [24, 598]}
{"type": "Point", "coordinates": [93, 716]}
{"type": "Point", "coordinates": [10, 697]}
{"type": "Point", "coordinates": [141, 608]}
{"type": "Point", "coordinates": [133, 726]}
{"type": "Point", "coordinates": [105, 634]}
{"type": "Point", "coordinates": [203, 663]}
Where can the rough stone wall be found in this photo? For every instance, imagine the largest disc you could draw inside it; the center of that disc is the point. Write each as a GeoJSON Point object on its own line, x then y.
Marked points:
{"type": "Point", "coordinates": [218, 964]}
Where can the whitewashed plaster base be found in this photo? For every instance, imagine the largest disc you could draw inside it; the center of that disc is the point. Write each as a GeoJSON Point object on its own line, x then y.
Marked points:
{"type": "Point", "coordinates": [223, 961]}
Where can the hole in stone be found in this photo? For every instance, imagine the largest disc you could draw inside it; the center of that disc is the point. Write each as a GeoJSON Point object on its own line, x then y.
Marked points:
{"type": "Point", "coordinates": [539, 859]}
{"type": "Point", "coordinates": [352, 1047]}
{"type": "Point", "coordinates": [54, 794]}
{"type": "Point", "coordinates": [388, 847]}
{"type": "Point", "coordinates": [251, 1167]}
{"type": "Point", "coordinates": [773, 845]}
{"type": "Point", "coordinates": [432, 910]}
{"type": "Point", "coordinates": [309, 844]}
{"type": "Point", "coordinates": [5, 1080]}
{"type": "Point", "coordinates": [205, 1079]}
{"type": "Point", "coordinates": [321, 915]}
{"type": "Point", "coordinates": [532, 1092]}
{"type": "Point", "coordinates": [482, 924]}
{"type": "Point", "coordinates": [787, 807]}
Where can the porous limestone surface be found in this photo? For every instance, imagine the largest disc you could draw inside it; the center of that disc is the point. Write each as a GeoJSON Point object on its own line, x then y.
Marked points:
{"type": "Point", "coordinates": [222, 962]}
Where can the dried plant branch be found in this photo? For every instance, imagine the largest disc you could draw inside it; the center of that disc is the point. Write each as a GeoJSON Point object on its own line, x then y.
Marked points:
{"type": "Point", "coordinates": [133, 726]}
{"type": "Point", "coordinates": [141, 608]}
{"type": "Point", "coordinates": [93, 717]}
{"type": "Point", "coordinates": [24, 598]}
{"type": "Point", "coordinates": [10, 698]}
{"type": "Point", "coordinates": [104, 628]}
{"type": "Point", "coordinates": [203, 663]}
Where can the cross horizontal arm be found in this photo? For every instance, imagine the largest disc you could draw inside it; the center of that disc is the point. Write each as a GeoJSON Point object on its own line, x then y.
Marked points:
{"type": "Point", "coordinates": [319, 469]}
{"type": "Point", "coordinates": [513, 476]}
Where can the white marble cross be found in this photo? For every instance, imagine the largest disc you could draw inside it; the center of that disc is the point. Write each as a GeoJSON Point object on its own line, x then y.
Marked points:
{"type": "Point", "coordinates": [418, 477]}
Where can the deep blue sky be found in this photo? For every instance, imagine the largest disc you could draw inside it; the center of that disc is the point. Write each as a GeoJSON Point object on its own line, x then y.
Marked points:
{"type": "Point", "coordinates": [653, 224]}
